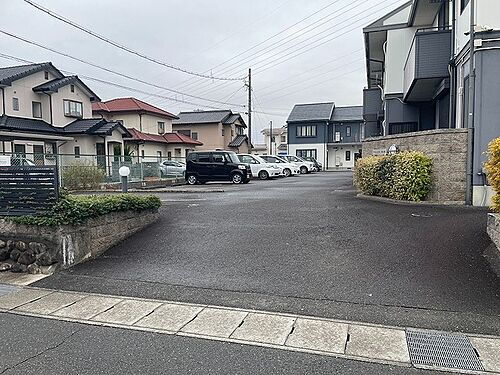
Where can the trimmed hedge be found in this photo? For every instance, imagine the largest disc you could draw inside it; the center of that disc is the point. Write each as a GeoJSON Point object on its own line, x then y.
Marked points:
{"type": "Point", "coordinates": [403, 176]}
{"type": "Point", "coordinates": [77, 209]}
{"type": "Point", "coordinates": [82, 176]}
{"type": "Point", "coordinates": [493, 169]}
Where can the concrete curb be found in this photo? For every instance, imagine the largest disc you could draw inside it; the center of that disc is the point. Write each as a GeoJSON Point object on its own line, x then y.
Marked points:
{"type": "Point", "coordinates": [160, 190]}
{"type": "Point", "coordinates": [411, 203]}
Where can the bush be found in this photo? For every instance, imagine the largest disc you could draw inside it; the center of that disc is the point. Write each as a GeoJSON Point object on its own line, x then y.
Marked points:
{"type": "Point", "coordinates": [403, 176]}
{"type": "Point", "coordinates": [493, 171]}
{"type": "Point", "coordinates": [76, 210]}
{"type": "Point", "coordinates": [82, 176]}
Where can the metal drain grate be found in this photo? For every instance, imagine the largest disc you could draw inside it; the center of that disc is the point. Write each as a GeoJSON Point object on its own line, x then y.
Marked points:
{"type": "Point", "coordinates": [442, 349]}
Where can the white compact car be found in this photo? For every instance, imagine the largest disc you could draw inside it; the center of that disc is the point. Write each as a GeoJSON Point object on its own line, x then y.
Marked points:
{"type": "Point", "coordinates": [304, 165]}
{"type": "Point", "coordinates": [289, 169]}
{"type": "Point", "coordinates": [261, 168]}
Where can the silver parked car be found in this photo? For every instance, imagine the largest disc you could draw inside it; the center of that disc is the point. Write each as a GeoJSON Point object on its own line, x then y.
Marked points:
{"type": "Point", "coordinates": [173, 168]}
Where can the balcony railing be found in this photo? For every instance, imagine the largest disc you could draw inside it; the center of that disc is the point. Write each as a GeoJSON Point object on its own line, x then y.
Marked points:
{"type": "Point", "coordinates": [426, 64]}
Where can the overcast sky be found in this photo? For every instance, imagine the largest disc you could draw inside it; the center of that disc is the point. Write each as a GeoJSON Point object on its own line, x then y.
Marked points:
{"type": "Point", "coordinates": [293, 60]}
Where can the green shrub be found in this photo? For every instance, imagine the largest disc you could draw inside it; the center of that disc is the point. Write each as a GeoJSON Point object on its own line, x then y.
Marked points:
{"type": "Point", "coordinates": [493, 170]}
{"type": "Point", "coordinates": [403, 176]}
{"type": "Point", "coordinates": [82, 176]}
{"type": "Point", "coordinates": [77, 209]}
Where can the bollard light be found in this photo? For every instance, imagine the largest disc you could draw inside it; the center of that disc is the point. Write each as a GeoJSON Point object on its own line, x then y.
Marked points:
{"type": "Point", "coordinates": [124, 172]}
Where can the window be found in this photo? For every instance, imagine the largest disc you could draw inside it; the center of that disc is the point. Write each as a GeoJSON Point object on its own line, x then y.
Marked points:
{"type": "Point", "coordinates": [247, 159]}
{"type": "Point", "coordinates": [72, 88]}
{"type": "Point", "coordinates": [161, 127]}
{"type": "Point", "coordinates": [337, 136]}
{"type": "Point", "coordinates": [194, 135]}
{"type": "Point", "coordinates": [348, 156]}
{"type": "Point", "coordinates": [463, 4]}
{"type": "Point", "coordinates": [218, 158]}
{"type": "Point", "coordinates": [223, 132]}
{"type": "Point", "coordinates": [46, 75]}
{"type": "Point", "coordinates": [306, 131]}
{"type": "Point", "coordinates": [239, 130]}
{"type": "Point", "coordinates": [36, 108]}
{"type": "Point", "coordinates": [77, 152]}
{"type": "Point", "coordinates": [15, 104]}
{"type": "Point", "coordinates": [306, 153]}
{"type": "Point", "coordinates": [347, 131]}
{"type": "Point", "coordinates": [185, 132]}
{"type": "Point", "coordinates": [169, 155]}
{"type": "Point", "coordinates": [232, 133]}
{"type": "Point", "coordinates": [283, 139]}
{"type": "Point", "coordinates": [72, 108]}
{"type": "Point", "coordinates": [204, 158]}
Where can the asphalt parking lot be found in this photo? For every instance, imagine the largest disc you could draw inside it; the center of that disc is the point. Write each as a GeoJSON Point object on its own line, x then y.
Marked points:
{"type": "Point", "coordinates": [307, 245]}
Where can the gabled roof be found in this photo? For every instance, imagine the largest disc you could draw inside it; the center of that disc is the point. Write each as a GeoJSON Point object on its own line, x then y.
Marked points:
{"type": "Point", "coordinates": [344, 114]}
{"type": "Point", "coordinates": [391, 19]}
{"type": "Point", "coordinates": [27, 125]}
{"type": "Point", "coordinates": [238, 140]}
{"type": "Point", "coordinates": [13, 73]}
{"type": "Point", "coordinates": [130, 105]}
{"type": "Point", "coordinates": [311, 112]}
{"type": "Point", "coordinates": [225, 117]}
{"type": "Point", "coordinates": [55, 84]}
{"type": "Point", "coordinates": [95, 126]}
{"type": "Point", "coordinates": [169, 138]}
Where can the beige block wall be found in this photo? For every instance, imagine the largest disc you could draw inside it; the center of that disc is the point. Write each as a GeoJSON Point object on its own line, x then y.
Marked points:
{"type": "Point", "coordinates": [58, 107]}
{"type": "Point", "coordinates": [448, 150]}
{"type": "Point", "coordinates": [145, 123]}
{"type": "Point", "coordinates": [209, 134]}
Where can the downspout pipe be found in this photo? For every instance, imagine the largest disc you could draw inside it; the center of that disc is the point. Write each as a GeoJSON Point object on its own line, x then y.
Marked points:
{"type": "Point", "coordinates": [470, 122]}
{"type": "Point", "coordinates": [453, 70]}
{"type": "Point", "coordinates": [3, 101]}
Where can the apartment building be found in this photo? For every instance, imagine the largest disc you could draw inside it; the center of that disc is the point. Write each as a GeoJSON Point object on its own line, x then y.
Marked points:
{"type": "Point", "coordinates": [330, 134]}
{"type": "Point", "coordinates": [150, 128]}
{"type": "Point", "coordinates": [419, 71]}
{"type": "Point", "coordinates": [220, 129]}
{"type": "Point", "coordinates": [279, 143]}
{"type": "Point", "coordinates": [43, 113]}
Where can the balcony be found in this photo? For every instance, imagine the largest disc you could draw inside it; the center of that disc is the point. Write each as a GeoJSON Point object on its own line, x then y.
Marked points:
{"type": "Point", "coordinates": [427, 64]}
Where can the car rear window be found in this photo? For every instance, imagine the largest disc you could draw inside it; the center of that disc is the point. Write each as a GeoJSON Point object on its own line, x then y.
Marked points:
{"type": "Point", "coordinates": [204, 158]}
{"type": "Point", "coordinates": [218, 158]}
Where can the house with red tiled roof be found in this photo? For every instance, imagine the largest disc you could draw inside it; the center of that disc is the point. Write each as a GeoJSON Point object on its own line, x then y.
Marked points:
{"type": "Point", "coordinates": [150, 127]}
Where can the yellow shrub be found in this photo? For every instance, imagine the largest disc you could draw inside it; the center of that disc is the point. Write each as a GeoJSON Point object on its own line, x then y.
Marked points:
{"type": "Point", "coordinates": [493, 170]}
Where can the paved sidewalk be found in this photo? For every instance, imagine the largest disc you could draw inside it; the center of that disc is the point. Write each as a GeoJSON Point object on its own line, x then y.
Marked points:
{"type": "Point", "coordinates": [351, 340]}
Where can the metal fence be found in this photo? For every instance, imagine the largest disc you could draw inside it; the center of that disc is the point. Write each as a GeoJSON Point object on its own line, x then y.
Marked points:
{"type": "Point", "coordinates": [81, 172]}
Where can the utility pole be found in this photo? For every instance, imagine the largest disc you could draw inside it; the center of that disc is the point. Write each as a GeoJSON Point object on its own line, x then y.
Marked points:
{"type": "Point", "coordinates": [470, 122]}
{"type": "Point", "coordinates": [250, 108]}
{"type": "Point", "coordinates": [271, 137]}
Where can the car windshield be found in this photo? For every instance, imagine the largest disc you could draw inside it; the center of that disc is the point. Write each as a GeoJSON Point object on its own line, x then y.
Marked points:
{"type": "Point", "coordinates": [280, 160]}
{"type": "Point", "coordinates": [260, 159]}
{"type": "Point", "coordinates": [233, 157]}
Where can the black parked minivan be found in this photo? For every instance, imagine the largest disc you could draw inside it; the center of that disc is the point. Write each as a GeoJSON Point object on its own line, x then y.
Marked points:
{"type": "Point", "coordinates": [203, 166]}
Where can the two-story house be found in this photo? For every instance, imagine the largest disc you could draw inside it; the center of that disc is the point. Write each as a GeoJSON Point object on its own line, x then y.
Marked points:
{"type": "Point", "coordinates": [419, 70]}
{"type": "Point", "coordinates": [332, 135]}
{"type": "Point", "coordinates": [43, 113]}
{"type": "Point", "coordinates": [150, 128]}
{"type": "Point", "coordinates": [279, 143]}
{"type": "Point", "coordinates": [220, 129]}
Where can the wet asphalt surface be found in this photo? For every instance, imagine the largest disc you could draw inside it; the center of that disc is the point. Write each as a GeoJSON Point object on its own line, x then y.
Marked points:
{"type": "Point", "coordinates": [307, 245]}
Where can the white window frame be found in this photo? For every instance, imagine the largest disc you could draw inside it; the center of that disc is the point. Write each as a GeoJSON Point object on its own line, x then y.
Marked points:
{"type": "Point", "coordinates": [15, 104]}
{"type": "Point", "coordinates": [161, 127]}
{"type": "Point", "coordinates": [72, 108]}
{"type": "Point", "coordinates": [33, 103]}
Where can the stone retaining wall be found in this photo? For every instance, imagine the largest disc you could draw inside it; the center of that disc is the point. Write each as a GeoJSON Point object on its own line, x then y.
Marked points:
{"type": "Point", "coordinates": [492, 254]}
{"type": "Point", "coordinates": [36, 249]}
{"type": "Point", "coordinates": [448, 150]}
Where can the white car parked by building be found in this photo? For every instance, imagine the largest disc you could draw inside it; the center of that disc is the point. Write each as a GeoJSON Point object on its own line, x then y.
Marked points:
{"type": "Point", "coordinates": [304, 165]}
{"type": "Point", "coordinates": [289, 169]}
{"type": "Point", "coordinates": [260, 167]}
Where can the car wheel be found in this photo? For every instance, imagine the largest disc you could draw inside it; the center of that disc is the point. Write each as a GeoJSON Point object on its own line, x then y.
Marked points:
{"type": "Point", "coordinates": [237, 178]}
{"type": "Point", "coordinates": [263, 175]}
{"type": "Point", "coordinates": [303, 170]}
{"type": "Point", "coordinates": [192, 180]}
{"type": "Point", "coordinates": [287, 172]}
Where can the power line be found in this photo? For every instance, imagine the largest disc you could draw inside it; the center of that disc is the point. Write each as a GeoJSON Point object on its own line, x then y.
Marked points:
{"type": "Point", "coordinates": [125, 48]}
{"type": "Point", "coordinates": [112, 71]}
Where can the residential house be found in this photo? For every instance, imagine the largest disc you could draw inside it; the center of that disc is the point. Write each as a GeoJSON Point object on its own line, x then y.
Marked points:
{"type": "Point", "coordinates": [419, 69]}
{"type": "Point", "coordinates": [221, 129]}
{"type": "Point", "coordinates": [44, 112]}
{"type": "Point", "coordinates": [332, 135]}
{"type": "Point", "coordinates": [279, 145]}
{"type": "Point", "coordinates": [150, 128]}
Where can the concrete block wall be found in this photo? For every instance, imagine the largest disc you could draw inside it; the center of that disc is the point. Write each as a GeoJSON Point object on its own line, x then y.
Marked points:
{"type": "Point", "coordinates": [448, 150]}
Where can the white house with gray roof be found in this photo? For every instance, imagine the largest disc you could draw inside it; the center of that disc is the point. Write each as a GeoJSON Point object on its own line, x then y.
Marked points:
{"type": "Point", "coordinates": [330, 134]}
{"type": "Point", "coordinates": [43, 112]}
{"type": "Point", "coordinates": [220, 129]}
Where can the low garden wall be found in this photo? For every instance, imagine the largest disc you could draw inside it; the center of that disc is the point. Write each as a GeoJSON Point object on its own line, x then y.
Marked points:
{"type": "Point", "coordinates": [492, 254]}
{"type": "Point", "coordinates": [448, 150]}
{"type": "Point", "coordinates": [41, 249]}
